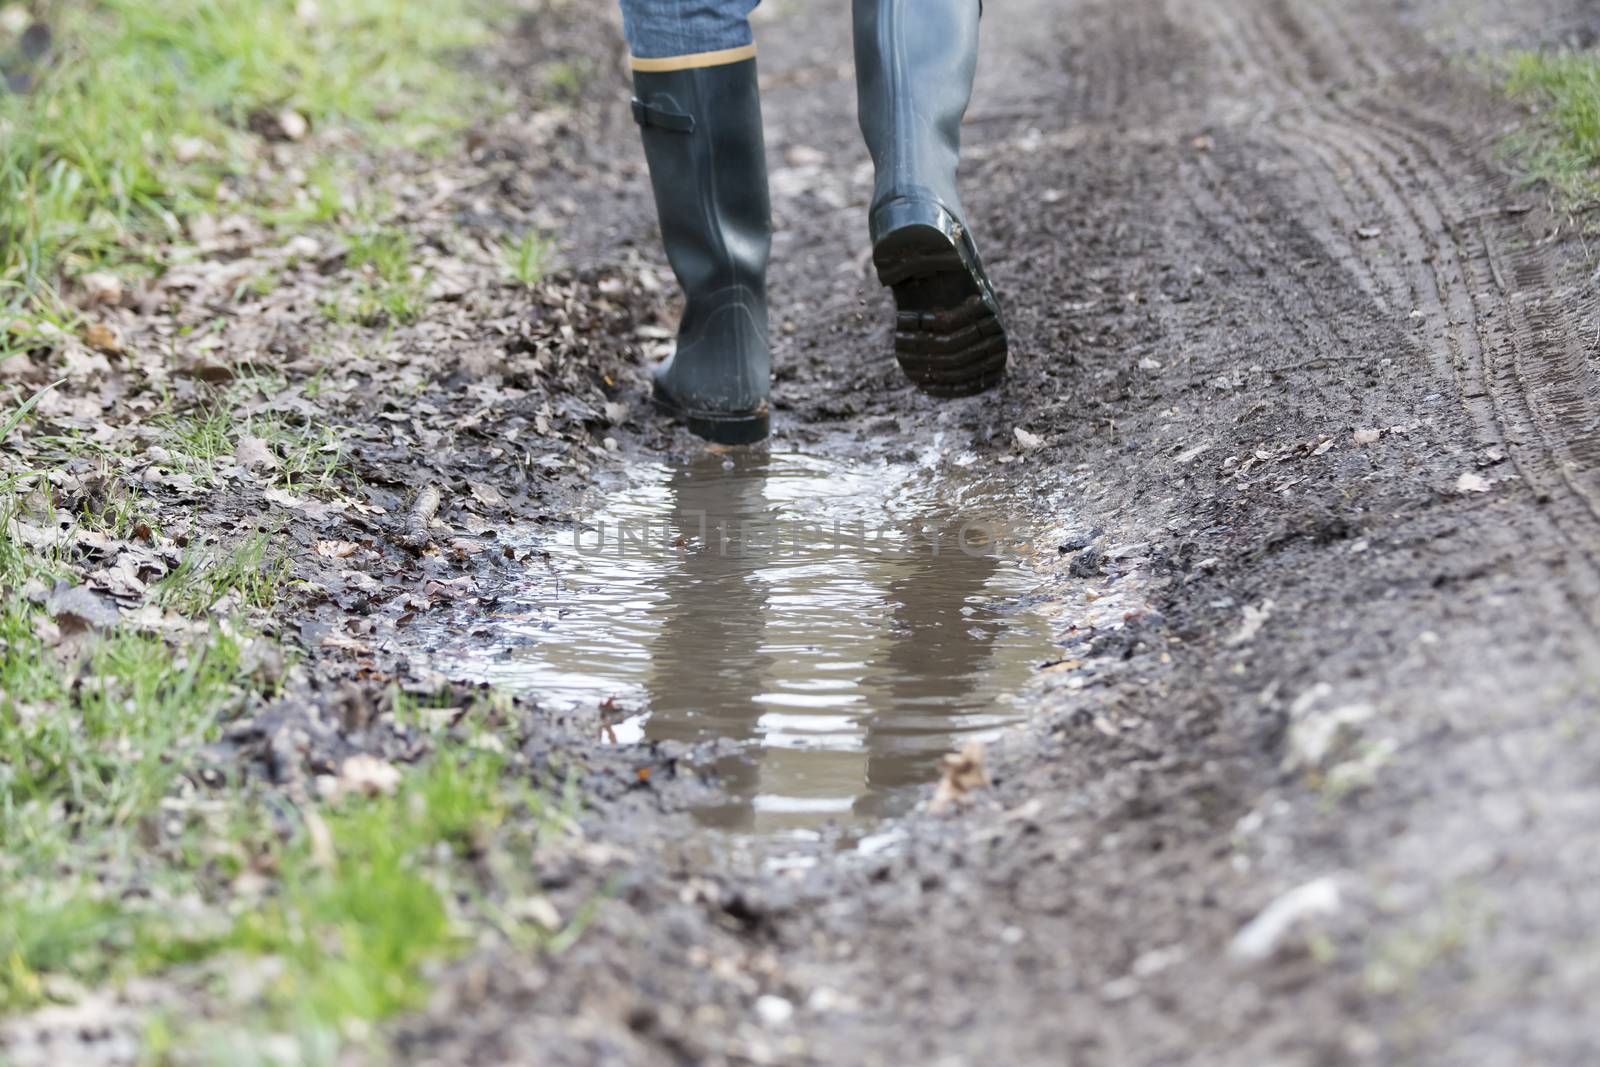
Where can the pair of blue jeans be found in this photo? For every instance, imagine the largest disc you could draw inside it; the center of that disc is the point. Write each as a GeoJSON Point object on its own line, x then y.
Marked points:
{"type": "Point", "coordinates": [668, 29]}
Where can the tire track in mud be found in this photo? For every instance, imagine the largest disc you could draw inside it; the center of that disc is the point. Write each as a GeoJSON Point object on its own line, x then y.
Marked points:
{"type": "Point", "coordinates": [1428, 183]}
{"type": "Point", "coordinates": [1492, 322]}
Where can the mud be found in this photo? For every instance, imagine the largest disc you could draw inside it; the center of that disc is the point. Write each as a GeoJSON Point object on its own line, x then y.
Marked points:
{"type": "Point", "coordinates": [1320, 790]}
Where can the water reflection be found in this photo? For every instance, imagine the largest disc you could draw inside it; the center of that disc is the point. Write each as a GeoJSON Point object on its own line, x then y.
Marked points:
{"type": "Point", "coordinates": [843, 626]}
{"type": "Point", "coordinates": [708, 655]}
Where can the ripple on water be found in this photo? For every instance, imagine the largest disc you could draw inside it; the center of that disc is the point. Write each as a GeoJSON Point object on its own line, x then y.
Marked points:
{"type": "Point", "coordinates": [843, 624]}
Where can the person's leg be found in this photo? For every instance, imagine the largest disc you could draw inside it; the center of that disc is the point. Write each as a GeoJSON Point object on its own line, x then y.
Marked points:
{"type": "Point", "coordinates": [674, 29]}
{"type": "Point", "coordinates": [699, 113]}
{"type": "Point", "coordinates": [915, 63]}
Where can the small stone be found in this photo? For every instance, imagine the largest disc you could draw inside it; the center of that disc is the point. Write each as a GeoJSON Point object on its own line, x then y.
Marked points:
{"type": "Point", "coordinates": [302, 246]}
{"type": "Point", "coordinates": [773, 1011]}
{"type": "Point", "coordinates": [187, 149]}
{"type": "Point", "coordinates": [800, 155]}
{"type": "Point", "coordinates": [368, 776]}
{"type": "Point", "coordinates": [293, 125]}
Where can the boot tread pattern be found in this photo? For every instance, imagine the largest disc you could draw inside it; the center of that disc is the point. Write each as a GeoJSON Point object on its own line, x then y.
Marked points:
{"type": "Point", "coordinates": [948, 339]}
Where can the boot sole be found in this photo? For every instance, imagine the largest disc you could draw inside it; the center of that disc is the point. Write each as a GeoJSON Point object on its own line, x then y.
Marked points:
{"type": "Point", "coordinates": [948, 339]}
{"type": "Point", "coordinates": [720, 429]}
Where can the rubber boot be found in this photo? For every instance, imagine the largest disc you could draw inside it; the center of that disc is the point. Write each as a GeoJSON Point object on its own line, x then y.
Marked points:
{"type": "Point", "coordinates": [915, 63]}
{"type": "Point", "coordinates": [702, 138]}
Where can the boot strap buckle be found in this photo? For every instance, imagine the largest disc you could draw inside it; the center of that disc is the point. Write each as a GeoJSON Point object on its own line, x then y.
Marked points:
{"type": "Point", "coordinates": [660, 118]}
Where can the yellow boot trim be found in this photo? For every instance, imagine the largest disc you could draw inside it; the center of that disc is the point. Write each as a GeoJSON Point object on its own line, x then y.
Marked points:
{"type": "Point", "coordinates": [696, 61]}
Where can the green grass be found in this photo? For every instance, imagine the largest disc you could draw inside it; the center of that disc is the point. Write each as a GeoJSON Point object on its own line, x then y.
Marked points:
{"type": "Point", "coordinates": [389, 289]}
{"type": "Point", "coordinates": [355, 910]}
{"type": "Point", "coordinates": [91, 742]}
{"type": "Point", "coordinates": [106, 879]}
{"type": "Point", "coordinates": [99, 746]}
{"type": "Point", "coordinates": [13, 420]}
{"type": "Point", "coordinates": [147, 107]}
{"type": "Point", "coordinates": [527, 259]}
{"type": "Point", "coordinates": [201, 441]}
{"type": "Point", "coordinates": [1563, 148]}
{"type": "Point", "coordinates": [250, 573]}
{"type": "Point", "coordinates": [355, 927]}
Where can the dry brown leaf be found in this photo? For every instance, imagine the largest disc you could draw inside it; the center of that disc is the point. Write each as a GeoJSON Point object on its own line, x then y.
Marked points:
{"type": "Point", "coordinates": [336, 549]}
{"type": "Point", "coordinates": [964, 774]}
{"type": "Point", "coordinates": [103, 337]}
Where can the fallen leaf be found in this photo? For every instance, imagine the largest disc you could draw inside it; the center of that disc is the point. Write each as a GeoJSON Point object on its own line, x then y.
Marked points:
{"type": "Point", "coordinates": [486, 494]}
{"type": "Point", "coordinates": [252, 452]}
{"type": "Point", "coordinates": [103, 337]}
{"type": "Point", "coordinates": [336, 549]}
{"type": "Point", "coordinates": [964, 773]}
{"type": "Point", "coordinates": [75, 609]}
{"type": "Point", "coordinates": [283, 498]}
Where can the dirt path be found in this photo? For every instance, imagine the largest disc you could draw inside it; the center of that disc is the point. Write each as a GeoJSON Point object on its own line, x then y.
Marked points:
{"type": "Point", "coordinates": [1285, 328]}
{"type": "Point", "coordinates": [1317, 410]}
{"type": "Point", "coordinates": [1317, 397]}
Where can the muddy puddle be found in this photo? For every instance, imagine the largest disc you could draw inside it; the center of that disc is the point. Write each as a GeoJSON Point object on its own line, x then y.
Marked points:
{"type": "Point", "coordinates": [835, 627]}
